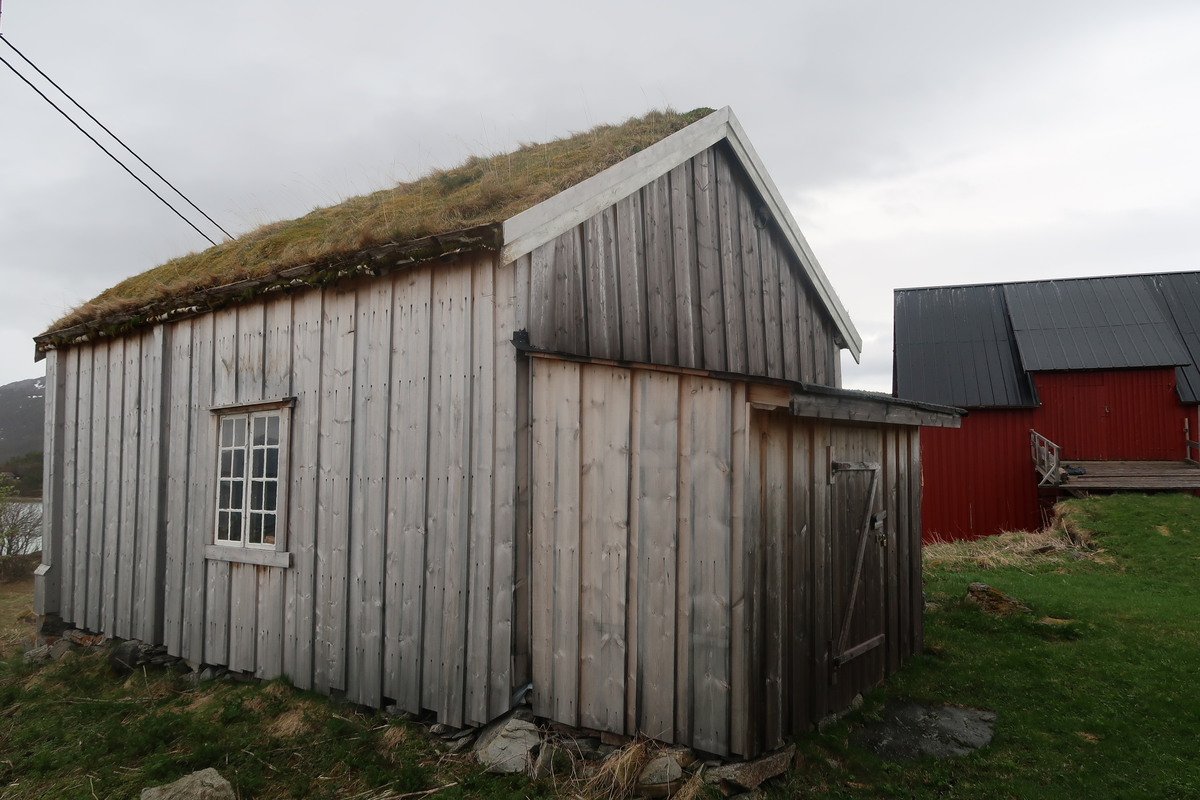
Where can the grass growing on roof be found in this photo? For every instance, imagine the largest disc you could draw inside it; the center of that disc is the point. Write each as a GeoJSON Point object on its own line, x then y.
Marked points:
{"type": "Point", "coordinates": [1105, 705]}
{"type": "Point", "coordinates": [480, 191]}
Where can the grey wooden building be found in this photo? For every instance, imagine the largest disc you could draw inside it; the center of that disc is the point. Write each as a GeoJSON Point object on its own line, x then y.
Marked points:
{"type": "Point", "coordinates": [596, 444]}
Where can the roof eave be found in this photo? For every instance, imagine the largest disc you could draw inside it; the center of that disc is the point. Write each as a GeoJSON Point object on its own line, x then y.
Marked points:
{"type": "Point", "coordinates": [544, 222]}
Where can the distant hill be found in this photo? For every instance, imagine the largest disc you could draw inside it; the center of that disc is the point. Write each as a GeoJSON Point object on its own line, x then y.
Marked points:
{"type": "Point", "coordinates": [22, 407]}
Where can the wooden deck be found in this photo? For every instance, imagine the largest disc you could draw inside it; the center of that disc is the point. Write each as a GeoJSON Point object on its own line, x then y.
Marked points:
{"type": "Point", "coordinates": [1133, 475]}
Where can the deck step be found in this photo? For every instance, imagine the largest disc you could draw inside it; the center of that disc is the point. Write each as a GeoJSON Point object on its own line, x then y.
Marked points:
{"type": "Point", "coordinates": [1141, 475]}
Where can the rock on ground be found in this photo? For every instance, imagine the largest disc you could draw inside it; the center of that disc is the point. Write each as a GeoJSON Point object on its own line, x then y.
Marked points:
{"type": "Point", "coordinates": [993, 600]}
{"type": "Point", "coordinates": [745, 775]}
{"type": "Point", "coordinates": [910, 730]}
{"type": "Point", "coordinates": [207, 784]}
{"type": "Point", "coordinates": [506, 745]}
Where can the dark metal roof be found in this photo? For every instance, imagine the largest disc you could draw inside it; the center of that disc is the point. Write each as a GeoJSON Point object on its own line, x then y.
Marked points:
{"type": "Point", "coordinates": [1179, 293]}
{"type": "Point", "coordinates": [954, 347]}
{"type": "Point", "coordinates": [1092, 323]}
{"type": "Point", "coordinates": [972, 346]}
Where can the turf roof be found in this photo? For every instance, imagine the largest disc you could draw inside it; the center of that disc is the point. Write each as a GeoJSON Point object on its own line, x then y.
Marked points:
{"type": "Point", "coordinates": [479, 192]}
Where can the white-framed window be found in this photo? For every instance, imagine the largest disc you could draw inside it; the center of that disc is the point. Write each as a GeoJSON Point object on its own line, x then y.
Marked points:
{"type": "Point", "coordinates": [251, 483]}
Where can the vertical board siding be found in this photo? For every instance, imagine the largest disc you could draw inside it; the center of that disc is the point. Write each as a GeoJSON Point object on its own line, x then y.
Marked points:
{"type": "Point", "coordinates": [688, 271]}
{"type": "Point", "coordinates": [402, 478]}
{"type": "Point", "coordinates": [692, 559]}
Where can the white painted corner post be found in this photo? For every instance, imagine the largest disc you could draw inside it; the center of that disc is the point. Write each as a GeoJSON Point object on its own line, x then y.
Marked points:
{"type": "Point", "coordinates": [46, 586]}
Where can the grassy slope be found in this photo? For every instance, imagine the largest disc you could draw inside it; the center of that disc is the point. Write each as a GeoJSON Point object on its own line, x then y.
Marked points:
{"type": "Point", "coordinates": [1107, 707]}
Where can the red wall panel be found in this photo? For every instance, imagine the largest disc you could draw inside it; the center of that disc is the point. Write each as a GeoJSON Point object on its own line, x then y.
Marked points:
{"type": "Point", "coordinates": [979, 479]}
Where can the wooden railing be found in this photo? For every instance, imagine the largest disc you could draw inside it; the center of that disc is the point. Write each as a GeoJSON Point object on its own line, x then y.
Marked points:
{"type": "Point", "coordinates": [1046, 459]}
{"type": "Point", "coordinates": [1189, 445]}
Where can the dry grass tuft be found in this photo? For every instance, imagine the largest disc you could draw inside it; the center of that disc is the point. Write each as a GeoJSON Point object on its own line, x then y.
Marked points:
{"type": "Point", "coordinates": [393, 737]}
{"type": "Point", "coordinates": [692, 789]}
{"type": "Point", "coordinates": [617, 776]}
{"type": "Point", "coordinates": [291, 724]}
{"type": "Point", "coordinates": [1066, 538]}
{"type": "Point", "coordinates": [478, 192]}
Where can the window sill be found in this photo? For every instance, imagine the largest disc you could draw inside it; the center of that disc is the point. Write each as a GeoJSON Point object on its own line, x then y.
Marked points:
{"type": "Point", "coordinates": [248, 555]}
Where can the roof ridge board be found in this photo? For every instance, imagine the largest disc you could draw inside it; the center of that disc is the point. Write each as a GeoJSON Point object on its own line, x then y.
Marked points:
{"type": "Point", "coordinates": [541, 223]}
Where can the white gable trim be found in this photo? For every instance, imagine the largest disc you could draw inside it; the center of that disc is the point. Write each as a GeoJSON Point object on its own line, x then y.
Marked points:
{"type": "Point", "coordinates": [549, 219]}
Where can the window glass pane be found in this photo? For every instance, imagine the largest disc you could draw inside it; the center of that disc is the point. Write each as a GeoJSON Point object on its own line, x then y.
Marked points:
{"type": "Point", "coordinates": [223, 525]}
{"type": "Point", "coordinates": [256, 495]}
{"type": "Point", "coordinates": [258, 463]}
{"type": "Point", "coordinates": [235, 526]}
{"type": "Point", "coordinates": [235, 495]}
{"type": "Point", "coordinates": [270, 500]}
{"type": "Point", "coordinates": [223, 499]}
{"type": "Point", "coordinates": [255, 535]}
{"type": "Point", "coordinates": [239, 463]}
{"type": "Point", "coordinates": [260, 431]}
{"type": "Point", "coordinates": [272, 463]}
{"type": "Point", "coordinates": [273, 429]}
{"type": "Point", "coordinates": [269, 529]}
{"type": "Point", "coordinates": [239, 431]}
{"type": "Point", "coordinates": [226, 432]}
{"type": "Point", "coordinates": [226, 463]}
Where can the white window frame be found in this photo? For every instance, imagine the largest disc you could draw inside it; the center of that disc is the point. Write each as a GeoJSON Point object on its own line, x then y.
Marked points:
{"type": "Point", "coordinates": [242, 551]}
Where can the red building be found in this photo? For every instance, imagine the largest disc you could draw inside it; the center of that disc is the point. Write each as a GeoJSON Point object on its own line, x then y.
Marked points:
{"type": "Point", "coordinates": [1101, 368]}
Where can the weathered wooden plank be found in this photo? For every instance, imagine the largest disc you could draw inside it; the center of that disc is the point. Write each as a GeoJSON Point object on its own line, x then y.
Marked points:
{"type": "Point", "coordinates": [408, 452]}
{"type": "Point", "coordinates": [660, 272]}
{"type": "Point", "coordinates": [657, 487]}
{"type": "Point", "coordinates": [146, 581]}
{"type": "Point", "coordinates": [821, 347]}
{"type": "Point", "coordinates": [776, 519]}
{"type": "Point", "coordinates": [688, 316]}
{"type": "Point", "coordinates": [479, 579]}
{"type": "Point", "coordinates": [633, 694]}
{"type": "Point", "coordinates": [603, 531]}
{"type": "Point", "coordinates": [684, 531]}
{"type": "Point", "coordinates": [541, 308]}
{"type": "Point", "coordinates": [570, 307]}
{"type": "Point", "coordinates": [100, 463]}
{"type": "Point", "coordinates": [340, 316]}
{"type": "Point", "coordinates": [85, 466]}
{"type": "Point", "coordinates": [243, 615]}
{"type": "Point", "coordinates": [752, 580]}
{"type": "Point", "coordinates": [820, 567]}
{"type": "Point", "coordinates": [69, 403]}
{"type": "Point", "coordinates": [858, 409]}
{"type": "Point", "coordinates": [890, 487]}
{"type": "Point", "coordinates": [771, 299]}
{"type": "Point", "coordinates": [805, 311]}
{"type": "Point", "coordinates": [739, 689]}
{"type": "Point", "coordinates": [277, 350]}
{"type": "Point", "coordinates": [200, 500]}
{"type": "Point", "coordinates": [800, 579]}
{"type": "Point", "coordinates": [729, 235]}
{"type": "Point", "coordinates": [47, 584]}
{"type": "Point", "coordinates": [789, 319]}
{"type": "Point", "coordinates": [303, 510]}
{"type": "Point", "coordinates": [251, 333]}
{"type": "Point", "coordinates": [556, 459]}
{"type": "Point", "coordinates": [603, 298]}
{"type": "Point", "coordinates": [631, 265]}
{"type": "Point", "coordinates": [752, 283]}
{"type": "Point", "coordinates": [113, 481]}
{"type": "Point", "coordinates": [522, 663]}
{"type": "Point", "coordinates": [127, 542]}
{"type": "Point", "coordinates": [218, 630]}
{"type": "Point", "coordinates": [447, 556]}
{"type": "Point", "coordinates": [914, 560]}
{"type": "Point", "coordinates": [504, 497]}
{"type": "Point", "coordinates": [269, 648]}
{"type": "Point", "coordinates": [178, 426]}
{"type": "Point", "coordinates": [709, 285]}
{"type": "Point", "coordinates": [709, 499]}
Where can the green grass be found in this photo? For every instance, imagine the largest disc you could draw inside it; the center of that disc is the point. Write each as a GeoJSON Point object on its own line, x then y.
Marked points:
{"type": "Point", "coordinates": [1107, 707]}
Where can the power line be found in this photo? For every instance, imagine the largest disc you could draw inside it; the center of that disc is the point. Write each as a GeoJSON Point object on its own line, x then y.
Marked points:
{"type": "Point", "coordinates": [105, 149]}
{"type": "Point", "coordinates": [114, 136]}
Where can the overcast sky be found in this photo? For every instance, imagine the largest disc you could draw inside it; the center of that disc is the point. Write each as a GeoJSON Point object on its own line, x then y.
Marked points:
{"type": "Point", "coordinates": [917, 143]}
